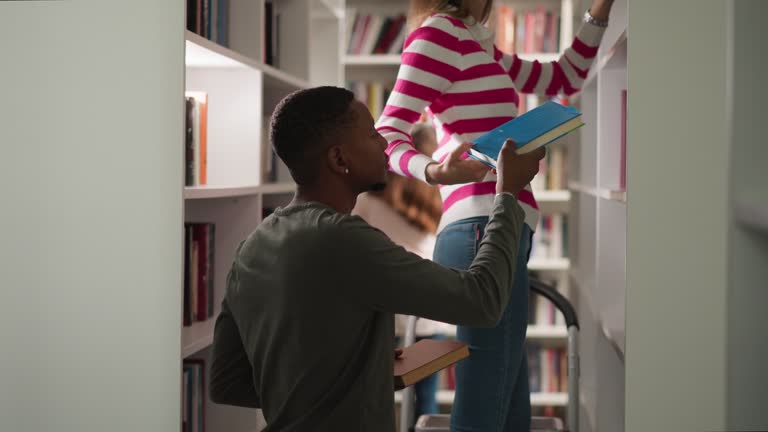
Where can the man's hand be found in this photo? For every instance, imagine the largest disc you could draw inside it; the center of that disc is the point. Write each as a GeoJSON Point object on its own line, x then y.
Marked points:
{"type": "Point", "coordinates": [515, 171]}
{"type": "Point", "coordinates": [600, 9]}
{"type": "Point", "coordinates": [455, 170]}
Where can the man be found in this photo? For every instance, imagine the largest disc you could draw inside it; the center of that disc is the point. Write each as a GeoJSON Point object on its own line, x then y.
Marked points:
{"type": "Point", "coordinates": [306, 326]}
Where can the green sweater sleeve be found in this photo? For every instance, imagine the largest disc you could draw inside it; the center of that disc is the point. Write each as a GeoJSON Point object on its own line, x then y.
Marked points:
{"type": "Point", "coordinates": [231, 381]}
{"type": "Point", "coordinates": [383, 276]}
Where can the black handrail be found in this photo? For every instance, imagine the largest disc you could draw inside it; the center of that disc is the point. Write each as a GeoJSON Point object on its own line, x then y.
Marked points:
{"type": "Point", "coordinates": [558, 299]}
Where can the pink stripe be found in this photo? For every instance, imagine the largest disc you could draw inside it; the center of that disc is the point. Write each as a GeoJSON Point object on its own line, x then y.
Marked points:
{"type": "Point", "coordinates": [496, 96]}
{"type": "Point", "coordinates": [401, 113]}
{"type": "Point", "coordinates": [415, 90]}
{"type": "Point", "coordinates": [381, 129]}
{"type": "Point", "coordinates": [443, 39]}
{"type": "Point", "coordinates": [455, 21]}
{"type": "Point", "coordinates": [474, 189]}
{"type": "Point", "coordinates": [476, 125]}
{"type": "Point", "coordinates": [533, 78]}
{"type": "Point", "coordinates": [482, 71]}
{"type": "Point", "coordinates": [582, 73]}
{"type": "Point", "coordinates": [404, 159]}
{"type": "Point", "coordinates": [394, 145]}
{"type": "Point", "coordinates": [558, 78]}
{"type": "Point", "coordinates": [526, 196]}
{"type": "Point", "coordinates": [428, 64]}
{"type": "Point", "coordinates": [517, 64]}
{"type": "Point", "coordinates": [583, 49]}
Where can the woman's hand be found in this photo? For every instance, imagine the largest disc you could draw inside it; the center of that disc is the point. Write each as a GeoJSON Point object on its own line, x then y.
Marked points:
{"type": "Point", "coordinates": [600, 9]}
{"type": "Point", "coordinates": [455, 170]}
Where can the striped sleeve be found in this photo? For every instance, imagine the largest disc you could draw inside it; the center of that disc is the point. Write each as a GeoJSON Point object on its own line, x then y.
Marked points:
{"type": "Point", "coordinates": [429, 65]}
{"type": "Point", "coordinates": [564, 76]}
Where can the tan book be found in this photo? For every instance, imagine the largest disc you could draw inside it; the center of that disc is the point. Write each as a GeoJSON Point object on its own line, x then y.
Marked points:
{"type": "Point", "coordinates": [426, 357]}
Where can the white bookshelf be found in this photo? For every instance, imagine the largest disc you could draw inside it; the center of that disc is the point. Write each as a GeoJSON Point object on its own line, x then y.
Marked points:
{"type": "Point", "coordinates": [210, 192]}
{"type": "Point", "coordinates": [242, 92]}
{"type": "Point", "coordinates": [597, 238]}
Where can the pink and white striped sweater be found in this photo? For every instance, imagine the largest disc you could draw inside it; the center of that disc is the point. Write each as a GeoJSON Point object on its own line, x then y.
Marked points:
{"type": "Point", "coordinates": [451, 68]}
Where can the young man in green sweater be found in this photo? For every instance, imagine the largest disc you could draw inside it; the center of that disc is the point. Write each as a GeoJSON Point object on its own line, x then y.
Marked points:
{"type": "Point", "coordinates": [306, 330]}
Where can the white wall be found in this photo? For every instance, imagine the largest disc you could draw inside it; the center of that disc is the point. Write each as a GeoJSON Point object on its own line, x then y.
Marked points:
{"type": "Point", "coordinates": [677, 222]}
{"type": "Point", "coordinates": [91, 126]}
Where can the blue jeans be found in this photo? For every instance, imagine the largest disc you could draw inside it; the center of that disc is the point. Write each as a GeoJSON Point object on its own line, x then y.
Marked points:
{"type": "Point", "coordinates": [492, 384]}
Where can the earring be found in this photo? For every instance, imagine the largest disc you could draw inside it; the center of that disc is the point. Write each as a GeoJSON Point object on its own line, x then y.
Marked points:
{"type": "Point", "coordinates": [346, 170]}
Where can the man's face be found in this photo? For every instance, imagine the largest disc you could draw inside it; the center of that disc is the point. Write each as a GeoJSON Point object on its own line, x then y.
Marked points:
{"type": "Point", "coordinates": [364, 148]}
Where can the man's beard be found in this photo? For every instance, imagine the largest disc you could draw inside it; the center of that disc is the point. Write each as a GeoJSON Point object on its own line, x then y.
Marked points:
{"type": "Point", "coordinates": [377, 187]}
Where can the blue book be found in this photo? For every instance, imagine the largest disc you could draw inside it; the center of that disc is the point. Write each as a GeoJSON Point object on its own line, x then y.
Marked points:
{"type": "Point", "coordinates": [536, 128]}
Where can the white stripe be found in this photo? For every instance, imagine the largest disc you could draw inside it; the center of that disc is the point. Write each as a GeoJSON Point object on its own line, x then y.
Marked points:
{"type": "Point", "coordinates": [493, 82]}
{"type": "Point", "coordinates": [402, 100]}
{"type": "Point", "coordinates": [544, 79]}
{"type": "Point", "coordinates": [433, 51]}
{"type": "Point", "coordinates": [395, 123]}
{"type": "Point", "coordinates": [427, 79]}
{"type": "Point", "coordinates": [480, 111]}
{"type": "Point", "coordinates": [441, 23]}
{"type": "Point", "coordinates": [481, 205]}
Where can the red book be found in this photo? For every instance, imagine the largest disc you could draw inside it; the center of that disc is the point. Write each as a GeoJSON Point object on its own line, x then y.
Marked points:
{"type": "Point", "coordinates": [623, 161]}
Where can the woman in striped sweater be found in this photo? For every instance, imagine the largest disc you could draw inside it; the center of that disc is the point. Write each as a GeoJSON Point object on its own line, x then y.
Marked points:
{"type": "Point", "coordinates": [451, 68]}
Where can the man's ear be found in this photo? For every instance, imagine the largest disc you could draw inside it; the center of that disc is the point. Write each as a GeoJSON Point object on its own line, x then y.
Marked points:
{"type": "Point", "coordinates": [336, 162]}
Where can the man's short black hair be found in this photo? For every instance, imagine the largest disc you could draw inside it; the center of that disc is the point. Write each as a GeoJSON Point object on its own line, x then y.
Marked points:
{"type": "Point", "coordinates": [303, 125]}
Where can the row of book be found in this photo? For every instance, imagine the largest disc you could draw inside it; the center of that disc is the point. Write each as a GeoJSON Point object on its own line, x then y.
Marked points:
{"type": "Point", "coordinates": [527, 31]}
{"type": "Point", "coordinates": [199, 241]}
{"type": "Point", "coordinates": [553, 170]}
{"type": "Point", "coordinates": [541, 311]}
{"type": "Point", "coordinates": [550, 239]}
{"type": "Point", "coordinates": [209, 19]}
{"type": "Point", "coordinates": [271, 46]}
{"type": "Point", "coordinates": [373, 94]}
{"type": "Point", "coordinates": [196, 138]}
{"type": "Point", "coordinates": [193, 396]}
{"type": "Point", "coordinates": [376, 34]}
{"type": "Point", "coordinates": [547, 370]}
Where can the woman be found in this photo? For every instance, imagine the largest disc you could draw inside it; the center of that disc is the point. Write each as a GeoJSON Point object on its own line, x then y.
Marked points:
{"type": "Point", "coordinates": [451, 68]}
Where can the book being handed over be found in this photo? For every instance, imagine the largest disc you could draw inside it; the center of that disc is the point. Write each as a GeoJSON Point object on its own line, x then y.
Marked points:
{"type": "Point", "coordinates": [426, 357]}
{"type": "Point", "coordinates": [536, 128]}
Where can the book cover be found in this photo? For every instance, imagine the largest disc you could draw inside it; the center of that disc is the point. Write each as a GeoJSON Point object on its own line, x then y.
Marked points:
{"type": "Point", "coordinates": [536, 128]}
{"type": "Point", "coordinates": [425, 358]}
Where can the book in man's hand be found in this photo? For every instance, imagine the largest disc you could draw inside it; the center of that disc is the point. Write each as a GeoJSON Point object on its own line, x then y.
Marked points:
{"type": "Point", "coordinates": [424, 358]}
{"type": "Point", "coordinates": [536, 128]}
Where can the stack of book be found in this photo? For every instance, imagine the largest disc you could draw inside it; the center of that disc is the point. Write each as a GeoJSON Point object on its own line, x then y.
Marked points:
{"type": "Point", "coordinates": [199, 240]}
{"type": "Point", "coordinates": [376, 34]}
{"type": "Point", "coordinates": [209, 19]}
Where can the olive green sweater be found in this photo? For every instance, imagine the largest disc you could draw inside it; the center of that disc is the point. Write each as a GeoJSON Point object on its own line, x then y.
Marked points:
{"type": "Point", "coordinates": [306, 327]}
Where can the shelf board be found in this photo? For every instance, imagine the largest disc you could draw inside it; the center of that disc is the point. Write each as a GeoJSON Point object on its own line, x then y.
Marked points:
{"type": "Point", "coordinates": [203, 53]}
{"type": "Point", "coordinates": [212, 192]}
{"type": "Point", "coordinates": [752, 214]}
{"type": "Point", "coordinates": [551, 264]}
{"type": "Point", "coordinates": [196, 337]}
{"type": "Point", "coordinates": [605, 193]}
{"type": "Point", "coordinates": [445, 397]}
{"type": "Point", "coordinates": [552, 196]}
{"type": "Point", "coordinates": [372, 60]}
{"type": "Point", "coordinates": [601, 62]}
